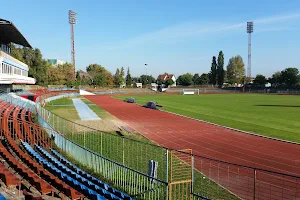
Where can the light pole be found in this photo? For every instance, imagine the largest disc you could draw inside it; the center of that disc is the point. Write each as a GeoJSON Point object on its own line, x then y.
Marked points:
{"type": "Point", "coordinates": [146, 75]}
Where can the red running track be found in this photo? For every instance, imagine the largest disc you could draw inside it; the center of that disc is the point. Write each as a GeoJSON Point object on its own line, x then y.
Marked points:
{"type": "Point", "coordinates": [216, 142]}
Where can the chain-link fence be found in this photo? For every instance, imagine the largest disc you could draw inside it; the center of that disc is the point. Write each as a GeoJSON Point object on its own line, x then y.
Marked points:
{"type": "Point", "coordinates": [135, 183]}
{"type": "Point", "coordinates": [129, 152]}
{"type": "Point", "coordinates": [243, 181]}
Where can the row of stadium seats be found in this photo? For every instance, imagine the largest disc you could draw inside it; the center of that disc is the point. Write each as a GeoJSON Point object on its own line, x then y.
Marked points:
{"type": "Point", "coordinates": [47, 176]}
{"type": "Point", "coordinates": [42, 186]}
{"type": "Point", "coordinates": [92, 182]}
{"type": "Point", "coordinates": [8, 177]}
{"type": "Point", "coordinates": [69, 180]}
{"type": "Point", "coordinates": [39, 91]}
{"type": "Point", "coordinates": [22, 128]}
{"type": "Point", "coordinates": [89, 177]}
{"type": "Point", "coordinates": [35, 179]}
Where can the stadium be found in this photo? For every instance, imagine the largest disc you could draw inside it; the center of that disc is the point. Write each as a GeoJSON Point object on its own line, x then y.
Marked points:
{"type": "Point", "coordinates": [84, 142]}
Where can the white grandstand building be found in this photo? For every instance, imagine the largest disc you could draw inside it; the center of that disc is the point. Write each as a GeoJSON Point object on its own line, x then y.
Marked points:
{"type": "Point", "coordinates": [12, 71]}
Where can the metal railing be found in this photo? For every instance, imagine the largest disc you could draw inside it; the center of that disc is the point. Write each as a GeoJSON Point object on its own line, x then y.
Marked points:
{"type": "Point", "coordinates": [17, 101]}
{"type": "Point", "coordinates": [243, 181]}
{"type": "Point", "coordinates": [129, 152]}
{"type": "Point", "coordinates": [133, 182]}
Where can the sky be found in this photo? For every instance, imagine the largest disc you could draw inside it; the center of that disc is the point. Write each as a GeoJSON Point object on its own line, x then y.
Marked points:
{"type": "Point", "coordinates": [173, 36]}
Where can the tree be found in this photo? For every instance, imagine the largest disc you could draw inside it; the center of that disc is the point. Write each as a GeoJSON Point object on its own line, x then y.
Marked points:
{"type": "Point", "coordinates": [147, 79]}
{"type": "Point", "coordinates": [246, 80]}
{"type": "Point", "coordinates": [169, 82]}
{"type": "Point", "coordinates": [220, 69]}
{"type": "Point", "coordinates": [235, 70]}
{"type": "Point", "coordinates": [128, 79]}
{"type": "Point", "coordinates": [78, 78]}
{"type": "Point", "coordinates": [117, 78]}
{"type": "Point", "coordinates": [260, 80]}
{"type": "Point", "coordinates": [185, 79]}
{"type": "Point", "coordinates": [203, 79]}
{"type": "Point", "coordinates": [122, 74]}
{"type": "Point", "coordinates": [136, 79]}
{"type": "Point", "coordinates": [225, 76]}
{"type": "Point", "coordinates": [289, 77]}
{"type": "Point", "coordinates": [17, 53]}
{"type": "Point", "coordinates": [100, 76]}
{"type": "Point", "coordinates": [38, 67]}
{"type": "Point", "coordinates": [55, 77]}
{"type": "Point", "coordinates": [159, 81]}
{"type": "Point", "coordinates": [213, 71]}
{"type": "Point", "coordinates": [67, 71]}
{"type": "Point", "coordinates": [195, 78]}
{"type": "Point", "coordinates": [275, 80]}
{"type": "Point", "coordinates": [83, 78]}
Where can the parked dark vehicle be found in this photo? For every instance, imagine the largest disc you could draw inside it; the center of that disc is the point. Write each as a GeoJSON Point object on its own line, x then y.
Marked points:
{"type": "Point", "coordinates": [152, 105]}
{"type": "Point", "coordinates": [130, 100]}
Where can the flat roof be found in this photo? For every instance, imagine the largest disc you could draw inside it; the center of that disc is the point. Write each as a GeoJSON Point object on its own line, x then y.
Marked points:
{"type": "Point", "coordinates": [10, 34]}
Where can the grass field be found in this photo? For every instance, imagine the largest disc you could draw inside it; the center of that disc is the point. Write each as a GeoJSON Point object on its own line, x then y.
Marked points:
{"type": "Point", "coordinates": [99, 111]}
{"type": "Point", "coordinates": [270, 115]}
{"type": "Point", "coordinates": [64, 108]}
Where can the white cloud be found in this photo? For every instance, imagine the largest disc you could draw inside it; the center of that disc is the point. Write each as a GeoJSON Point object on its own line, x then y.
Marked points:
{"type": "Point", "coordinates": [275, 29]}
{"type": "Point", "coordinates": [190, 29]}
{"type": "Point", "coordinates": [280, 18]}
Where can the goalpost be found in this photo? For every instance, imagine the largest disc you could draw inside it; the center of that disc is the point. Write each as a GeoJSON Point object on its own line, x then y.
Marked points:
{"type": "Point", "coordinates": [190, 91]}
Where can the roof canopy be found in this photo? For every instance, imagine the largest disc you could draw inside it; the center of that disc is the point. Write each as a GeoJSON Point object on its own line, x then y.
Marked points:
{"type": "Point", "coordinates": [9, 33]}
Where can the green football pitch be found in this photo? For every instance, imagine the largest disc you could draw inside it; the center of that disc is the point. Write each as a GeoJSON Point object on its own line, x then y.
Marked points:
{"type": "Point", "coordinates": [275, 116]}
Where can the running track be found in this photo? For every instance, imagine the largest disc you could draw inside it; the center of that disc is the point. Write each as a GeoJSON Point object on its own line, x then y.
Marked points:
{"type": "Point", "coordinates": [211, 141]}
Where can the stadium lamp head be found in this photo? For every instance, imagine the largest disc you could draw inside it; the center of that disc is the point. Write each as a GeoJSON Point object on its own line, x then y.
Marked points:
{"type": "Point", "coordinates": [72, 17]}
{"type": "Point", "coordinates": [249, 27]}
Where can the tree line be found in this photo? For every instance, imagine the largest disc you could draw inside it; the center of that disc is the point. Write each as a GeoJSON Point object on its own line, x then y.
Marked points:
{"type": "Point", "coordinates": [44, 72]}
{"type": "Point", "coordinates": [217, 76]}
{"type": "Point", "coordinates": [97, 75]}
{"type": "Point", "coordinates": [235, 75]}
{"type": "Point", "coordinates": [287, 78]}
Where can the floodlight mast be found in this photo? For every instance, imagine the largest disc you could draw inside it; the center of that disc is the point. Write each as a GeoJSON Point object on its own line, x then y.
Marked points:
{"type": "Point", "coordinates": [249, 31]}
{"type": "Point", "coordinates": [72, 21]}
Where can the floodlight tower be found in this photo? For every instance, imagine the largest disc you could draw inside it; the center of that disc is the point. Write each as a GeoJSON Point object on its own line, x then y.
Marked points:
{"type": "Point", "coordinates": [72, 21]}
{"type": "Point", "coordinates": [249, 31]}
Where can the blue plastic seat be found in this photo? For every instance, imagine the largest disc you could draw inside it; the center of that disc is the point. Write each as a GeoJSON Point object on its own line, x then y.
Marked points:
{"type": "Point", "coordinates": [2, 197]}
{"type": "Point", "coordinates": [85, 178]}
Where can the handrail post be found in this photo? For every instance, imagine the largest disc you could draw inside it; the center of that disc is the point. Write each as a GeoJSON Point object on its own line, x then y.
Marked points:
{"type": "Point", "coordinates": [254, 184]}
{"type": "Point", "coordinates": [193, 176]}
{"type": "Point", "coordinates": [84, 138]}
{"type": "Point", "coordinates": [123, 150]}
{"type": "Point", "coordinates": [167, 173]}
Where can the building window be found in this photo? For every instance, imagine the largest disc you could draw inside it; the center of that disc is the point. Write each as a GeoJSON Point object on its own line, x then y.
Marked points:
{"type": "Point", "coordinates": [12, 70]}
